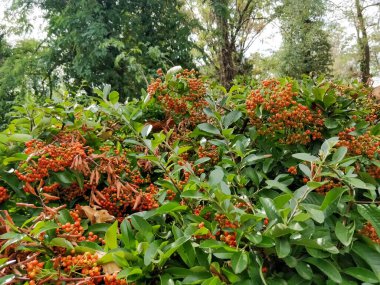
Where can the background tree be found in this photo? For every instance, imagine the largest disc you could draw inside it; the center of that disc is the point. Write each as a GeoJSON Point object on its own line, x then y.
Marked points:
{"type": "Point", "coordinates": [227, 30]}
{"type": "Point", "coordinates": [115, 42]}
{"type": "Point", "coordinates": [361, 40]}
{"type": "Point", "coordinates": [23, 70]}
{"type": "Point", "coordinates": [305, 43]}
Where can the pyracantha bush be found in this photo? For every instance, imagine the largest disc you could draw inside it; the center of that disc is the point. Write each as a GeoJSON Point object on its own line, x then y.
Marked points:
{"type": "Point", "coordinates": [275, 183]}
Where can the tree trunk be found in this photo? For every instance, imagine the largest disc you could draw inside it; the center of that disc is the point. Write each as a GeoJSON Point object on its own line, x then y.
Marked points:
{"type": "Point", "coordinates": [363, 44]}
{"type": "Point", "coordinates": [227, 69]}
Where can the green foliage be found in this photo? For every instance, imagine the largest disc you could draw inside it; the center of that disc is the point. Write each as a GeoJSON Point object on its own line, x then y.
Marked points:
{"type": "Point", "coordinates": [234, 204]}
{"type": "Point", "coordinates": [23, 71]}
{"type": "Point", "coordinates": [306, 48]}
{"type": "Point", "coordinates": [120, 43]}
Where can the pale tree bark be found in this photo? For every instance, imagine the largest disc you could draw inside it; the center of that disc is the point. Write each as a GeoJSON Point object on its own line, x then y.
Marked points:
{"type": "Point", "coordinates": [363, 44]}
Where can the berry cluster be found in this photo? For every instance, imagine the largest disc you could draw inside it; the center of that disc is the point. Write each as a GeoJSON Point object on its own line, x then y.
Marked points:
{"type": "Point", "coordinates": [374, 171]}
{"type": "Point", "coordinates": [131, 199]}
{"type": "Point", "coordinates": [365, 144]}
{"type": "Point", "coordinates": [33, 268]}
{"type": "Point", "coordinates": [183, 100]}
{"type": "Point", "coordinates": [4, 196]}
{"type": "Point", "coordinates": [210, 151]}
{"type": "Point", "coordinates": [332, 183]}
{"type": "Point", "coordinates": [369, 231]}
{"type": "Point", "coordinates": [208, 235]}
{"type": "Point", "coordinates": [53, 157]}
{"type": "Point", "coordinates": [84, 265]}
{"type": "Point", "coordinates": [283, 118]}
{"type": "Point", "coordinates": [73, 231]}
{"type": "Point", "coordinates": [292, 170]}
{"type": "Point", "coordinates": [112, 280]}
{"type": "Point", "coordinates": [226, 232]}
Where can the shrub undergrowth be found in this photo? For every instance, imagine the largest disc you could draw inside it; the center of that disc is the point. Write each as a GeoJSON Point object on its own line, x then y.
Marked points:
{"type": "Point", "coordinates": [274, 183]}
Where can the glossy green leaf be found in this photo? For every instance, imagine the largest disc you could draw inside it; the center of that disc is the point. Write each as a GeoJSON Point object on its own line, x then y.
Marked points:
{"type": "Point", "coordinates": [208, 128]}
{"type": "Point", "coordinates": [111, 236]}
{"type": "Point", "coordinates": [327, 268]}
{"type": "Point", "coordinates": [7, 279]}
{"type": "Point", "coordinates": [239, 261]}
{"type": "Point", "coordinates": [344, 233]}
{"type": "Point", "coordinates": [362, 274]}
{"type": "Point", "coordinates": [282, 247]}
{"type": "Point", "coordinates": [372, 214]}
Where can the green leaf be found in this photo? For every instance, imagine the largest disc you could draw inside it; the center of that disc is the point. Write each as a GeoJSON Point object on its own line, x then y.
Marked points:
{"type": "Point", "coordinates": [208, 128]}
{"type": "Point", "coordinates": [372, 214]}
{"type": "Point", "coordinates": [212, 281]}
{"type": "Point", "coordinates": [331, 123]}
{"type": "Point", "coordinates": [65, 177]}
{"type": "Point", "coordinates": [172, 248]}
{"type": "Point", "coordinates": [15, 239]}
{"type": "Point", "coordinates": [85, 246]}
{"type": "Point", "coordinates": [253, 158]}
{"type": "Point", "coordinates": [151, 252]}
{"type": "Point", "coordinates": [61, 242]}
{"type": "Point", "coordinates": [314, 212]}
{"type": "Point", "coordinates": [113, 97]}
{"type": "Point", "coordinates": [65, 217]}
{"type": "Point", "coordinates": [328, 100]}
{"type": "Point", "coordinates": [231, 118]}
{"type": "Point", "coordinates": [169, 208]}
{"type": "Point", "coordinates": [127, 235]}
{"type": "Point", "coordinates": [143, 227]}
{"type": "Point", "coordinates": [216, 176]}
{"type": "Point", "coordinates": [304, 270]}
{"type": "Point", "coordinates": [357, 183]}
{"type": "Point", "coordinates": [146, 130]}
{"type": "Point", "coordinates": [43, 226]}
{"type": "Point", "coordinates": [339, 154]}
{"type": "Point", "coordinates": [19, 138]}
{"type": "Point", "coordinates": [327, 146]}
{"type": "Point", "coordinates": [7, 279]}
{"type": "Point", "coordinates": [343, 233]}
{"type": "Point", "coordinates": [362, 274]}
{"type": "Point", "coordinates": [239, 261]}
{"type": "Point", "coordinates": [370, 256]}
{"type": "Point", "coordinates": [305, 169]}
{"type": "Point", "coordinates": [282, 247]}
{"type": "Point", "coordinates": [111, 236]}
{"type": "Point", "coordinates": [328, 268]}
{"type": "Point", "coordinates": [305, 157]}
{"type": "Point", "coordinates": [331, 196]}
{"type": "Point", "coordinates": [269, 207]}
{"type": "Point", "coordinates": [201, 160]}
{"type": "Point", "coordinates": [273, 184]}
{"type": "Point", "coordinates": [131, 274]}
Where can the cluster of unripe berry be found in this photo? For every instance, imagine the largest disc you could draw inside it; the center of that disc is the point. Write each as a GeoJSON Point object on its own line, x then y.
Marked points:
{"type": "Point", "coordinates": [275, 112]}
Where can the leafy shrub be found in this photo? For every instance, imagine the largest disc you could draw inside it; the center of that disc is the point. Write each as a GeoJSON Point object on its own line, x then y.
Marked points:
{"type": "Point", "coordinates": [275, 183]}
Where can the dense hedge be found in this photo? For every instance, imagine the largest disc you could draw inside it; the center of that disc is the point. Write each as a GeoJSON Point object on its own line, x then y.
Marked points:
{"type": "Point", "coordinates": [273, 183]}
